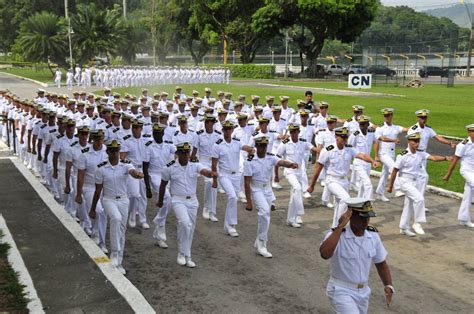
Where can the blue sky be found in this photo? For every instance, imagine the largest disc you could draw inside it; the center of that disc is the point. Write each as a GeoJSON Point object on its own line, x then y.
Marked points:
{"type": "Point", "coordinates": [423, 4]}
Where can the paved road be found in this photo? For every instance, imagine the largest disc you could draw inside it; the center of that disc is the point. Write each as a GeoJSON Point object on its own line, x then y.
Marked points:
{"type": "Point", "coordinates": [432, 273]}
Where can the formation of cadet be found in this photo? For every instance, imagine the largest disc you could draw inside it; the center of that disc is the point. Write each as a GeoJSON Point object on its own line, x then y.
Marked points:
{"type": "Point", "coordinates": [129, 76]}
{"type": "Point", "coordinates": [104, 156]}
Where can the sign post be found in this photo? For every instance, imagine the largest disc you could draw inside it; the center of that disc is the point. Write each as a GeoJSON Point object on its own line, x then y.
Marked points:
{"type": "Point", "coordinates": [360, 81]}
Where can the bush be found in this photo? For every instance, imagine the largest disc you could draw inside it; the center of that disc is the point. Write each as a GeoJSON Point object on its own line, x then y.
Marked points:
{"type": "Point", "coordinates": [250, 71]}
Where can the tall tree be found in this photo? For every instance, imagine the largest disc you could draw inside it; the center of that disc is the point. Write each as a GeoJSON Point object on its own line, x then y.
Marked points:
{"type": "Point", "coordinates": [42, 39]}
{"type": "Point", "coordinates": [134, 40]}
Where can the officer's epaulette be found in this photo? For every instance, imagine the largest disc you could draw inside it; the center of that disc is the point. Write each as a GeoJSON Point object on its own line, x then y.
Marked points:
{"type": "Point", "coordinates": [302, 139]}
{"type": "Point", "coordinates": [200, 132]}
{"type": "Point", "coordinates": [279, 156]}
{"type": "Point", "coordinates": [414, 127]}
{"type": "Point", "coordinates": [148, 143]}
{"type": "Point", "coordinates": [59, 136]}
{"type": "Point", "coordinates": [102, 164]}
{"type": "Point", "coordinates": [272, 131]}
{"type": "Point", "coordinates": [83, 117]}
{"type": "Point", "coordinates": [190, 130]}
{"type": "Point", "coordinates": [348, 145]}
{"type": "Point", "coordinates": [218, 132]}
{"type": "Point", "coordinates": [52, 131]}
{"type": "Point", "coordinates": [372, 228]}
{"type": "Point", "coordinates": [356, 133]}
{"type": "Point", "coordinates": [125, 161]}
{"type": "Point", "coordinates": [404, 152]}
{"type": "Point", "coordinates": [43, 126]}
{"type": "Point", "coordinates": [255, 133]}
{"type": "Point", "coordinates": [25, 114]}
{"type": "Point", "coordinates": [236, 139]}
{"type": "Point", "coordinates": [37, 122]}
{"type": "Point", "coordinates": [250, 123]}
{"type": "Point", "coordinates": [126, 137]}
{"type": "Point", "coordinates": [175, 111]}
{"type": "Point", "coordinates": [147, 123]}
{"type": "Point", "coordinates": [101, 121]}
{"type": "Point", "coordinates": [311, 123]}
{"type": "Point", "coordinates": [146, 135]}
{"type": "Point", "coordinates": [219, 141]}
{"type": "Point", "coordinates": [371, 130]}
{"type": "Point", "coordinates": [349, 120]}
{"type": "Point", "coordinates": [139, 116]}
{"type": "Point", "coordinates": [85, 150]}
{"type": "Point", "coordinates": [283, 119]}
{"type": "Point", "coordinates": [170, 163]}
{"type": "Point", "coordinates": [108, 126]}
{"type": "Point", "coordinates": [115, 130]}
{"type": "Point", "coordinates": [330, 147]}
{"type": "Point", "coordinates": [271, 154]}
{"type": "Point", "coordinates": [169, 142]}
{"type": "Point", "coordinates": [194, 160]}
{"type": "Point", "coordinates": [250, 157]}
{"type": "Point", "coordinates": [334, 229]}
{"type": "Point", "coordinates": [176, 133]}
{"type": "Point", "coordinates": [322, 130]}
{"type": "Point", "coordinates": [465, 141]}
{"type": "Point", "coordinates": [285, 141]}
{"type": "Point", "coordinates": [95, 118]}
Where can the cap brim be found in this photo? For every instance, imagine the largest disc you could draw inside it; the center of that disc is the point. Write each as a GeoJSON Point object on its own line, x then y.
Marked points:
{"type": "Point", "coordinates": [368, 214]}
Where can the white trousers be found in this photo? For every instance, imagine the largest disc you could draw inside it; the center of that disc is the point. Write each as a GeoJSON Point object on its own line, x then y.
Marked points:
{"type": "Point", "coordinates": [137, 196]}
{"type": "Point", "coordinates": [348, 301]}
{"type": "Point", "coordinates": [339, 187]}
{"type": "Point", "coordinates": [210, 193]}
{"type": "Point", "coordinates": [414, 203]}
{"type": "Point", "coordinates": [186, 212]}
{"type": "Point", "coordinates": [362, 172]}
{"type": "Point", "coordinates": [423, 177]}
{"type": "Point", "coordinates": [117, 211]}
{"type": "Point", "coordinates": [68, 199]}
{"type": "Point", "coordinates": [99, 224]}
{"type": "Point", "coordinates": [295, 207]}
{"type": "Point", "coordinates": [388, 164]}
{"type": "Point", "coordinates": [161, 212]}
{"type": "Point", "coordinates": [465, 208]}
{"type": "Point", "coordinates": [262, 200]}
{"type": "Point", "coordinates": [231, 185]}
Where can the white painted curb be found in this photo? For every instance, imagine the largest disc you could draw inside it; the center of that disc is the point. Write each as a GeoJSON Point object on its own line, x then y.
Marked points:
{"type": "Point", "coordinates": [129, 292]}
{"type": "Point", "coordinates": [14, 258]}
{"type": "Point", "coordinates": [26, 79]}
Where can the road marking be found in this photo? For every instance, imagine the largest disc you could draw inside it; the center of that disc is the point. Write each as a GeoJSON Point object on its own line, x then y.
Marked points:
{"type": "Point", "coordinates": [14, 258]}
{"type": "Point", "coordinates": [129, 292]}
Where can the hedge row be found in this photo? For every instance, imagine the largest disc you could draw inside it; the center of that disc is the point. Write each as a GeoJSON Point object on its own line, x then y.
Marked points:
{"type": "Point", "coordinates": [250, 71]}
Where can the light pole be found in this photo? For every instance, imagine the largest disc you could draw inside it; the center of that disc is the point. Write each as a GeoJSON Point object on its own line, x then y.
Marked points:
{"type": "Point", "coordinates": [409, 47]}
{"type": "Point", "coordinates": [471, 39]}
{"type": "Point", "coordinates": [291, 58]}
{"type": "Point", "coordinates": [286, 54]}
{"type": "Point", "coordinates": [273, 57]}
{"type": "Point", "coordinates": [125, 9]}
{"type": "Point", "coordinates": [429, 48]}
{"type": "Point", "coordinates": [66, 15]}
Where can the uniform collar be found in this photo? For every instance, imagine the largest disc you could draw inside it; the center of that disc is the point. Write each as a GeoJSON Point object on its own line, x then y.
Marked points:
{"type": "Point", "coordinates": [350, 235]}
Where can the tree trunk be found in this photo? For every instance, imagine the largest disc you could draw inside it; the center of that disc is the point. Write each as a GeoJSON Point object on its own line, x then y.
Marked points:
{"type": "Point", "coordinates": [301, 62]}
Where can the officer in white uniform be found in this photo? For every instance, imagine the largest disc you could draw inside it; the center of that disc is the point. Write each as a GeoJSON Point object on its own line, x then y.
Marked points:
{"type": "Point", "coordinates": [182, 176]}
{"type": "Point", "coordinates": [351, 124]}
{"type": "Point", "coordinates": [86, 169]}
{"type": "Point", "coordinates": [337, 159]}
{"type": "Point", "coordinates": [387, 139]}
{"type": "Point", "coordinates": [295, 150]}
{"type": "Point", "coordinates": [353, 249]}
{"type": "Point", "coordinates": [157, 154]}
{"type": "Point", "coordinates": [111, 181]}
{"type": "Point", "coordinates": [258, 190]}
{"type": "Point", "coordinates": [205, 141]}
{"type": "Point", "coordinates": [408, 166]}
{"type": "Point", "coordinates": [226, 161]}
{"type": "Point", "coordinates": [465, 153]}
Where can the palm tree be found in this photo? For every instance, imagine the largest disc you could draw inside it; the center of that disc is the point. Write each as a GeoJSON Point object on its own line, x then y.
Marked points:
{"type": "Point", "coordinates": [96, 32]}
{"type": "Point", "coordinates": [41, 39]}
{"type": "Point", "coordinates": [135, 40]}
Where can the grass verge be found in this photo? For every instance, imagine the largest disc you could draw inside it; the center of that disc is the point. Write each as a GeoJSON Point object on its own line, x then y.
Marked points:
{"type": "Point", "coordinates": [41, 75]}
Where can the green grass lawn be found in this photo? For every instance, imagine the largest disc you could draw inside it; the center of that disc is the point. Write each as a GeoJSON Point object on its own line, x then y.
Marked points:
{"type": "Point", "coordinates": [42, 75]}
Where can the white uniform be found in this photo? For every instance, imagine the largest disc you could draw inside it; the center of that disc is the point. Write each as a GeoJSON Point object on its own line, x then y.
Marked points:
{"type": "Point", "coordinates": [386, 153]}
{"type": "Point", "coordinates": [261, 169]}
{"type": "Point", "coordinates": [115, 202]}
{"type": "Point", "coordinates": [295, 152]}
{"type": "Point", "coordinates": [337, 163]}
{"type": "Point", "coordinates": [465, 151]}
{"type": "Point", "coordinates": [183, 185]}
{"type": "Point", "coordinates": [350, 268]}
{"type": "Point", "coordinates": [61, 146]}
{"type": "Point", "coordinates": [228, 155]}
{"type": "Point", "coordinates": [409, 166]}
{"type": "Point", "coordinates": [361, 169]}
{"type": "Point", "coordinates": [426, 134]}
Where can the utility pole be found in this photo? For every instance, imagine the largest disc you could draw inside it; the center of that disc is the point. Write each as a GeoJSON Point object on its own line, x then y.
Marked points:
{"type": "Point", "coordinates": [66, 15]}
{"type": "Point", "coordinates": [125, 9]}
{"type": "Point", "coordinates": [286, 54]}
{"type": "Point", "coordinates": [471, 39]}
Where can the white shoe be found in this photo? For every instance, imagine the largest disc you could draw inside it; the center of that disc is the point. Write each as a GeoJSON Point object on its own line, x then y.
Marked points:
{"type": "Point", "coordinates": [103, 248]}
{"type": "Point", "coordinates": [243, 200]}
{"type": "Point", "coordinates": [299, 220]}
{"type": "Point", "coordinates": [121, 270]}
{"type": "Point", "coordinates": [294, 225]}
{"type": "Point", "coordinates": [426, 209]}
{"type": "Point", "coordinates": [468, 224]}
{"type": "Point", "coordinates": [88, 231]}
{"type": "Point", "coordinates": [330, 205]}
{"type": "Point", "coordinates": [262, 249]}
{"type": "Point", "coordinates": [407, 232]}
{"type": "Point", "coordinates": [232, 232]}
{"type": "Point", "coordinates": [276, 185]}
{"type": "Point", "coordinates": [145, 226]}
{"type": "Point", "coordinates": [96, 239]}
{"type": "Point", "coordinates": [162, 244]}
{"type": "Point", "coordinates": [323, 183]}
{"type": "Point", "coordinates": [418, 229]}
{"type": "Point", "coordinates": [221, 190]}
{"type": "Point", "coordinates": [205, 213]}
{"type": "Point", "coordinates": [213, 218]}
{"type": "Point", "coordinates": [399, 194]}
{"type": "Point", "coordinates": [132, 220]}
{"type": "Point", "coordinates": [190, 263]}
{"type": "Point", "coordinates": [307, 194]}
{"type": "Point", "coordinates": [382, 198]}
{"type": "Point", "coordinates": [181, 260]}
{"type": "Point", "coordinates": [160, 233]}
